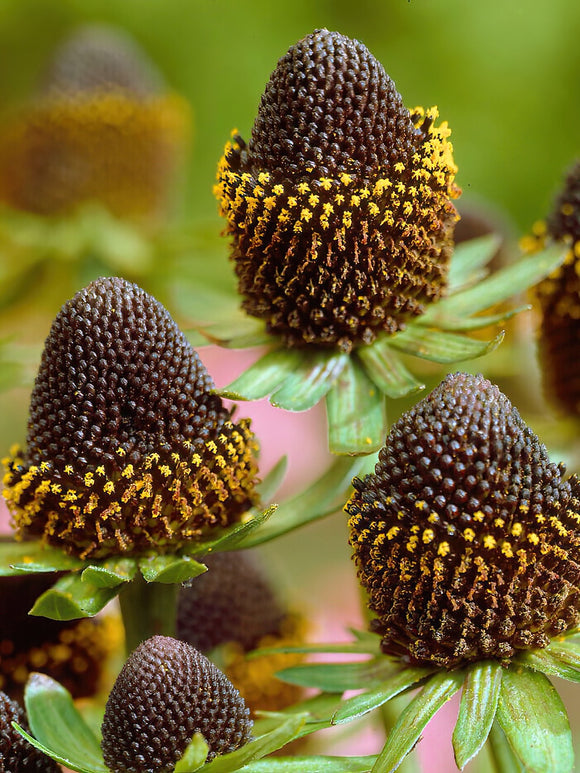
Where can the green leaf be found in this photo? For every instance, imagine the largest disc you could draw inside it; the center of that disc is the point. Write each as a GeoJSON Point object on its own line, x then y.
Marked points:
{"type": "Point", "coordinates": [314, 764]}
{"type": "Point", "coordinates": [414, 718]}
{"type": "Point", "coordinates": [238, 332]}
{"type": "Point", "coordinates": [440, 346]}
{"type": "Point", "coordinates": [472, 323]}
{"type": "Point", "coordinates": [325, 496]}
{"type": "Point", "coordinates": [476, 710]}
{"type": "Point", "coordinates": [58, 726]}
{"type": "Point", "coordinates": [254, 750]}
{"type": "Point", "coordinates": [268, 487]}
{"type": "Point", "coordinates": [310, 381]}
{"type": "Point", "coordinates": [385, 368]}
{"type": "Point", "coordinates": [358, 705]}
{"type": "Point", "coordinates": [194, 756]}
{"type": "Point", "coordinates": [240, 536]}
{"type": "Point", "coordinates": [503, 757]}
{"type": "Point", "coordinates": [548, 663]}
{"type": "Point", "coordinates": [566, 651]}
{"type": "Point", "coordinates": [32, 557]}
{"type": "Point", "coordinates": [71, 598]}
{"type": "Point", "coordinates": [502, 284]}
{"type": "Point", "coordinates": [110, 573]}
{"type": "Point", "coordinates": [170, 569]}
{"type": "Point", "coordinates": [468, 259]}
{"type": "Point", "coordinates": [534, 720]}
{"type": "Point", "coordinates": [356, 414]}
{"type": "Point", "coordinates": [344, 648]}
{"type": "Point", "coordinates": [338, 677]}
{"type": "Point", "coordinates": [264, 376]}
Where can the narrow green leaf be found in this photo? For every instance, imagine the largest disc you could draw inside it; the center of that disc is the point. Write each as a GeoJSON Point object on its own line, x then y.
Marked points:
{"type": "Point", "coordinates": [110, 573]}
{"type": "Point", "coordinates": [71, 598]}
{"type": "Point", "coordinates": [466, 324]}
{"type": "Point", "coordinates": [566, 651]}
{"type": "Point", "coordinates": [235, 330]}
{"type": "Point", "coordinates": [310, 381]}
{"type": "Point", "coordinates": [534, 720]}
{"type": "Point", "coordinates": [502, 284]}
{"type": "Point", "coordinates": [254, 750]}
{"type": "Point", "coordinates": [385, 368]}
{"type": "Point", "coordinates": [268, 487]}
{"type": "Point", "coordinates": [58, 726]}
{"type": "Point", "coordinates": [440, 346]}
{"type": "Point", "coordinates": [327, 495]}
{"type": "Point", "coordinates": [194, 756]}
{"type": "Point", "coordinates": [414, 718]}
{"type": "Point", "coordinates": [170, 569]}
{"type": "Point", "coordinates": [313, 764]}
{"type": "Point", "coordinates": [239, 537]}
{"type": "Point", "coordinates": [32, 557]}
{"type": "Point", "coordinates": [501, 752]}
{"type": "Point", "coordinates": [356, 414]}
{"type": "Point", "coordinates": [343, 648]}
{"type": "Point", "coordinates": [358, 705]}
{"type": "Point", "coordinates": [469, 258]}
{"type": "Point", "coordinates": [264, 376]}
{"type": "Point", "coordinates": [65, 761]}
{"type": "Point", "coordinates": [476, 710]}
{"type": "Point", "coordinates": [338, 677]}
{"type": "Point", "coordinates": [548, 663]}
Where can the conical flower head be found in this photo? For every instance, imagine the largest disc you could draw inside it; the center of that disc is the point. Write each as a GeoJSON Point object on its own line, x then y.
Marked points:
{"type": "Point", "coordinates": [127, 449]}
{"type": "Point", "coordinates": [559, 300]}
{"type": "Point", "coordinates": [16, 754]}
{"type": "Point", "coordinates": [466, 537]}
{"type": "Point", "coordinates": [339, 206]}
{"type": "Point", "coordinates": [232, 602]}
{"type": "Point", "coordinates": [103, 128]}
{"type": "Point", "coordinates": [73, 652]}
{"type": "Point", "coordinates": [166, 692]}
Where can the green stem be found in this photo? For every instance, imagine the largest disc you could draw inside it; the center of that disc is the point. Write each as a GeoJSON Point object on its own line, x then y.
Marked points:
{"type": "Point", "coordinates": [147, 608]}
{"type": "Point", "coordinates": [502, 756]}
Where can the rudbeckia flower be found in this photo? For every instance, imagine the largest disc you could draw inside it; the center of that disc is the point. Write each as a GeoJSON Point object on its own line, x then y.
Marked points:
{"type": "Point", "coordinates": [234, 607]}
{"type": "Point", "coordinates": [558, 299]}
{"type": "Point", "coordinates": [167, 692]}
{"type": "Point", "coordinates": [341, 217]}
{"type": "Point", "coordinates": [16, 754]}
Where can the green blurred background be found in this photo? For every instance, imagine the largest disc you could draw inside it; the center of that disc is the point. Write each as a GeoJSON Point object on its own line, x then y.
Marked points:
{"type": "Point", "coordinates": [504, 73]}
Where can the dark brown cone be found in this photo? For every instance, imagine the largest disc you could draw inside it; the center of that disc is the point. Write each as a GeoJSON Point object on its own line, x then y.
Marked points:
{"type": "Point", "coordinates": [102, 129]}
{"type": "Point", "coordinates": [73, 652]}
{"type": "Point", "coordinates": [100, 58]}
{"type": "Point", "coordinates": [559, 299]}
{"type": "Point", "coordinates": [339, 207]}
{"type": "Point", "coordinates": [16, 754]}
{"type": "Point", "coordinates": [466, 537]}
{"type": "Point", "coordinates": [166, 692]}
{"type": "Point", "coordinates": [232, 602]}
{"type": "Point", "coordinates": [127, 449]}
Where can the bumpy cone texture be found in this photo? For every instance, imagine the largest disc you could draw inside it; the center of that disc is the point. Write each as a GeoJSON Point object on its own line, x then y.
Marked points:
{"type": "Point", "coordinates": [16, 754]}
{"type": "Point", "coordinates": [339, 206]}
{"type": "Point", "coordinates": [103, 129]}
{"type": "Point", "coordinates": [466, 537]}
{"type": "Point", "coordinates": [72, 652]}
{"type": "Point", "coordinates": [559, 300]}
{"type": "Point", "coordinates": [166, 692]}
{"type": "Point", "coordinates": [232, 602]}
{"type": "Point", "coordinates": [127, 450]}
